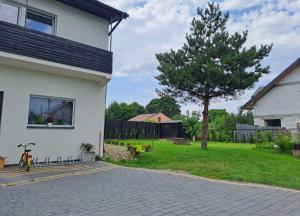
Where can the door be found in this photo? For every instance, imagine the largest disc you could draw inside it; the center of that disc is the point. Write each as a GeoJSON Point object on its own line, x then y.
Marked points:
{"type": "Point", "coordinates": [1, 102]}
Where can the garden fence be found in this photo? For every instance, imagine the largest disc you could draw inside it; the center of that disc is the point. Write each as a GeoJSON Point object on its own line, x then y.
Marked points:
{"type": "Point", "coordinates": [115, 129]}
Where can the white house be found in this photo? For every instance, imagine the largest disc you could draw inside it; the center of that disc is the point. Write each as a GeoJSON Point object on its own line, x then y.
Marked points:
{"type": "Point", "coordinates": [55, 63]}
{"type": "Point", "coordinates": [278, 104]}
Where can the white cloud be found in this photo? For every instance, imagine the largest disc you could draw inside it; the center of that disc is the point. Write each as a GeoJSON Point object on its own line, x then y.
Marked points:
{"type": "Point", "coordinates": [240, 4]}
{"type": "Point", "coordinates": [156, 26]}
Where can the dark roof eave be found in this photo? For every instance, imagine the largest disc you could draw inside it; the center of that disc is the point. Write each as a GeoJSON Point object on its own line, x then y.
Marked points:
{"type": "Point", "coordinates": [249, 105]}
{"type": "Point", "coordinates": [98, 9]}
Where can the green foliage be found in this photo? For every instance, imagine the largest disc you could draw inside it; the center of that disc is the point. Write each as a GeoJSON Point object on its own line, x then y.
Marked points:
{"type": "Point", "coordinates": [87, 147]}
{"type": "Point", "coordinates": [297, 138]}
{"type": "Point", "coordinates": [213, 63]}
{"type": "Point", "coordinates": [124, 111]}
{"type": "Point", "coordinates": [284, 142]}
{"type": "Point", "coordinates": [135, 150]}
{"type": "Point", "coordinates": [148, 148]}
{"type": "Point", "coordinates": [165, 105]}
{"type": "Point", "coordinates": [223, 124]}
{"type": "Point", "coordinates": [192, 125]}
{"type": "Point", "coordinates": [264, 140]}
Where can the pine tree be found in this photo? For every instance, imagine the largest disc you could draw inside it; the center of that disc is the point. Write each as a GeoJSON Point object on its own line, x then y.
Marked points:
{"type": "Point", "coordinates": [211, 64]}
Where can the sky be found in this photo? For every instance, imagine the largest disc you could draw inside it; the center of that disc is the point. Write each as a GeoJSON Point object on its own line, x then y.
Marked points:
{"type": "Point", "coordinates": [156, 26]}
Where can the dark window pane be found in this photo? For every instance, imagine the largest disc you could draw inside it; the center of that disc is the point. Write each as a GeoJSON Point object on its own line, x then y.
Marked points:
{"type": "Point", "coordinates": [61, 111]}
{"type": "Point", "coordinates": [273, 122]}
{"type": "Point", "coordinates": [9, 13]}
{"type": "Point", "coordinates": [42, 23]}
{"type": "Point", "coordinates": [38, 110]}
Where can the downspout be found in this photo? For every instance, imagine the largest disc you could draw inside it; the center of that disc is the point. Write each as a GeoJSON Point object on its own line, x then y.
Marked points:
{"type": "Point", "coordinates": [105, 102]}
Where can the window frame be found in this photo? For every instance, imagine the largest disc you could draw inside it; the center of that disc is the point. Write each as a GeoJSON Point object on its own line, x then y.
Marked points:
{"type": "Point", "coordinates": [14, 4]}
{"type": "Point", "coordinates": [52, 126]}
{"type": "Point", "coordinates": [42, 14]}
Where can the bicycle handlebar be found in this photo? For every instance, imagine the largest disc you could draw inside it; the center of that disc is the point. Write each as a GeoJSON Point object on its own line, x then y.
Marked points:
{"type": "Point", "coordinates": [21, 145]}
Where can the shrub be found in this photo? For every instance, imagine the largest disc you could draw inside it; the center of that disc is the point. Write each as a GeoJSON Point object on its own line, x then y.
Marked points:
{"type": "Point", "coordinates": [87, 147]}
{"type": "Point", "coordinates": [264, 136]}
{"type": "Point", "coordinates": [297, 138]}
{"type": "Point", "coordinates": [129, 146]}
{"type": "Point", "coordinates": [97, 158]}
{"type": "Point", "coordinates": [148, 148]}
{"type": "Point", "coordinates": [284, 142]}
{"type": "Point", "coordinates": [252, 139]}
{"type": "Point", "coordinates": [264, 140]}
{"type": "Point", "coordinates": [135, 150]}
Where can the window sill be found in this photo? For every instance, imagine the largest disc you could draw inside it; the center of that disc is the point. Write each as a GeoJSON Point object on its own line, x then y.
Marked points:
{"type": "Point", "coordinates": [49, 127]}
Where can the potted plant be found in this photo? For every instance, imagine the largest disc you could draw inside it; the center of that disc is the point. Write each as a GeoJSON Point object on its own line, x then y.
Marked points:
{"type": "Point", "coordinates": [50, 121]}
{"type": "Point", "coordinates": [88, 153]}
{"type": "Point", "coordinates": [2, 162]}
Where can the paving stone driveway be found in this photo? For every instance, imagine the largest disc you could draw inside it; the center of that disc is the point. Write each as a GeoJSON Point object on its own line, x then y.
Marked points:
{"type": "Point", "coordinates": [129, 192]}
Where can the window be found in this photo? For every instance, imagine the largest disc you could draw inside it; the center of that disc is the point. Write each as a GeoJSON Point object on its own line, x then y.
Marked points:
{"type": "Point", "coordinates": [48, 111]}
{"type": "Point", "coordinates": [40, 22]}
{"type": "Point", "coordinates": [273, 122]}
{"type": "Point", "coordinates": [9, 13]}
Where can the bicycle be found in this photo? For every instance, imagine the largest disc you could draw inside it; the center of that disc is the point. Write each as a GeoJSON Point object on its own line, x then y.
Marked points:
{"type": "Point", "coordinates": [26, 158]}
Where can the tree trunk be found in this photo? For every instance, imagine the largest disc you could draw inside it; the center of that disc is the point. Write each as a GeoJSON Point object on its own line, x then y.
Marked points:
{"type": "Point", "coordinates": [205, 124]}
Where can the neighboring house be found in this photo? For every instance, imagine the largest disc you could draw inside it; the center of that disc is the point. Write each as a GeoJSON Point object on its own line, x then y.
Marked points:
{"type": "Point", "coordinates": [278, 104]}
{"type": "Point", "coordinates": [155, 117]}
{"type": "Point", "coordinates": [55, 63]}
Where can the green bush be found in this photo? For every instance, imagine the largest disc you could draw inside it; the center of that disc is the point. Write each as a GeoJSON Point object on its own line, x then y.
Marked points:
{"type": "Point", "coordinates": [264, 136]}
{"type": "Point", "coordinates": [136, 150]}
{"type": "Point", "coordinates": [297, 138]}
{"type": "Point", "coordinates": [264, 140]}
{"type": "Point", "coordinates": [148, 148]}
{"type": "Point", "coordinates": [284, 142]}
{"type": "Point", "coordinates": [252, 139]}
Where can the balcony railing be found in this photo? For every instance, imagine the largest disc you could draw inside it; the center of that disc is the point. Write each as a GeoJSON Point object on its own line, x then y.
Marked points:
{"type": "Point", "coordinates": [26, 42]}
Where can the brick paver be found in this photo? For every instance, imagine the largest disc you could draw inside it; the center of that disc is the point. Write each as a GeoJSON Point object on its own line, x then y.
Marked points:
{"type": "Point", "coordinates": [122, 191]}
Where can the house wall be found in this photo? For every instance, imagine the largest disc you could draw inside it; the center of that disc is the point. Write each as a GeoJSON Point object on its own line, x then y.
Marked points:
{"type": "Point", "coordinates": [282, 102]}
{"type": "Point", "coordinates": [71, 23]}
{"type": "Point", "coordinates": [19, 84]}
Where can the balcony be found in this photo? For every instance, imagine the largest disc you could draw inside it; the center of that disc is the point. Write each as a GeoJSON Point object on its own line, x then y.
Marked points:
{"type": "Point", "coordinates": [29, 43]}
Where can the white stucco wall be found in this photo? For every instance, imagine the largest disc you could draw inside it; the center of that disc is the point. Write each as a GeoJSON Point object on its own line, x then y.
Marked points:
{"type": "Point", "coordinates": [282, 102]}
{"type": "Point", "coordinates": [19, 84]}
{"type": "Point", "coordinates": [72, 23]}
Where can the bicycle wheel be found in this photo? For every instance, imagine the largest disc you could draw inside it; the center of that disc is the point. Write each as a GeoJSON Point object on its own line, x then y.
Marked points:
{"type": "Point", "coordinates": [28, 165]}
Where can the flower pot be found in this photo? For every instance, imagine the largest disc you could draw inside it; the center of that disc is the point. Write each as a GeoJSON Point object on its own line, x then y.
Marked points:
{"type": "Point", "coordinates": [49, 124]}
{"type": "Point", "coordinates": [88, 156]}
{"type": "Point", "coordinates": [296, 150]}
{"type": "Point", "coordinates": [2, 162]}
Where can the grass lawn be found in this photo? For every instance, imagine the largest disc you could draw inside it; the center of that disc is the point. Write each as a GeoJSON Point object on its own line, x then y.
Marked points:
{"type": "Point", "coordinates": [238, 162]}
